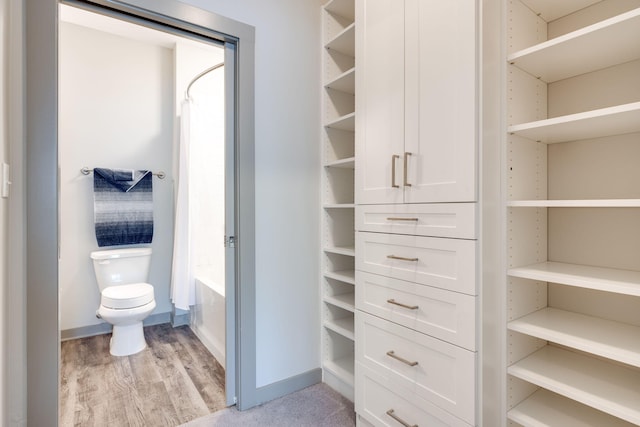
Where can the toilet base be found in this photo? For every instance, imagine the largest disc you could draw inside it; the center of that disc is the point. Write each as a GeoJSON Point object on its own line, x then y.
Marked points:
{"type": "Point", "coordinates": [127, 340]}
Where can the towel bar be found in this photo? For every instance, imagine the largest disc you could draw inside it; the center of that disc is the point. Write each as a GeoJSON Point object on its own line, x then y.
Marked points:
{"type": "Point", "coordinates": [86, 171]}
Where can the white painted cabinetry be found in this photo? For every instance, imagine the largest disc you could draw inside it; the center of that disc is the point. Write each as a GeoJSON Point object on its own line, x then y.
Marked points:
{"type": "Point", "coordinates": [416, 296]}
{"type": "Point", "coordinates": [338, 237]}
{"type": "Point", "coordinates": [416, 101]}
{"type": "Point", "coordinates": [573, 209]}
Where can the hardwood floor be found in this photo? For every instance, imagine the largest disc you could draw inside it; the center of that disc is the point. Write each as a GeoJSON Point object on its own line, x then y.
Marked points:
{"type": "Point", "coordinates": [174, 380]}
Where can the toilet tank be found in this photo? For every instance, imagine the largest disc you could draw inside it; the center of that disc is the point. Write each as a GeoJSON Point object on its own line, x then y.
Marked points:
{"type": "Point", "coordinates": [121, 266]}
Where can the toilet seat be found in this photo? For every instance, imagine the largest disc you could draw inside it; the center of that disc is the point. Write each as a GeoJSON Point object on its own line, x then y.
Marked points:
{"type": "Point", "coordinates": [127, 296]}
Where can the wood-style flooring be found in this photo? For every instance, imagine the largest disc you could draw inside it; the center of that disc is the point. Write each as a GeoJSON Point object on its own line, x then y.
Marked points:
{"type": "Point", "coordinates": [174, 380]}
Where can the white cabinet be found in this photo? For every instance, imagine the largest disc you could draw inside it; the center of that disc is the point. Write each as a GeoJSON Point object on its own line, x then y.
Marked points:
{"type": "Point", "coordinates": [572, 205]}
{"type": "Point", "coordinates": [416, 123]}
{"type": "Point", "coordinates": [338, 161]}
{"type": "Point", "coordinates": [416, 253]}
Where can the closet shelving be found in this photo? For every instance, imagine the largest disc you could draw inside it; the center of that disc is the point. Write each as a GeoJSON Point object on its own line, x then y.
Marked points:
{"type": "Point", "coordinates": [573, 292]}
{"type": "Point", "coordinates": [338, 160]}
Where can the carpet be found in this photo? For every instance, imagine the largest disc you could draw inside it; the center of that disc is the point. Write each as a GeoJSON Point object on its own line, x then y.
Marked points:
{"type": "Point", "coordinates": [315, 406]}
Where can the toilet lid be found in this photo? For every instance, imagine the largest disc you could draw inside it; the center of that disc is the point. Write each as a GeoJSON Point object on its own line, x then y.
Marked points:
{"type": "Point", "coordinates": [127, 296]}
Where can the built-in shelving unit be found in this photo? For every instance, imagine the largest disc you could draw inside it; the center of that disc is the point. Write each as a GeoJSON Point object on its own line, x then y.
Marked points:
{"type": "Point", "coordinates": [338, 164]}
{"type": "Point", "coordinates": [573, 277]}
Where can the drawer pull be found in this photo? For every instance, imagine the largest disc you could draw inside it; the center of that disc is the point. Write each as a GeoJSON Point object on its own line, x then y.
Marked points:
{"type": "Point", "coordinates": [392, 414]}
{"type": "Point", "coordinates": [402, 258]}
{"type": "Point", "coordinates": [393, 171]}
{"type": "Point", "coordinates": [406, 167]}
{"type": "Point", "coordinates": [410, 307]}
{"type": "Point", "coordinates": [401, 219]}
{"type": "Point", "coordinates": [392, 353]}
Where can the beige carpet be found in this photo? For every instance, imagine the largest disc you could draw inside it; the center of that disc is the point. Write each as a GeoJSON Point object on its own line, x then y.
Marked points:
{"type": "Point", "coordinates": [315, 406]}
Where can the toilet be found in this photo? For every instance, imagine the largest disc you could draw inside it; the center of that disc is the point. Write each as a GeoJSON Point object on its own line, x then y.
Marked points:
{"type": "Point", "coordinates": [125, 297]}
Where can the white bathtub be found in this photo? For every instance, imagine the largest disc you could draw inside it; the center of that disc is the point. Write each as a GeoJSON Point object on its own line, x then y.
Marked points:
{"type": "Point", "coordinates": [208, 314]}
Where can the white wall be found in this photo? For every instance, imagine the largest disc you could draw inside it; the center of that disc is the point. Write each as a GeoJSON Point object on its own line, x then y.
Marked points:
{"type": "Point", "coordinates": [116, 110]}
{"type": "Point", "coordinates": [287, 127]}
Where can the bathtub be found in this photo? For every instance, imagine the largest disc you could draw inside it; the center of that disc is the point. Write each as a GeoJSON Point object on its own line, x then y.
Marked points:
{"type": "Point", "coordinates": [208, 314]}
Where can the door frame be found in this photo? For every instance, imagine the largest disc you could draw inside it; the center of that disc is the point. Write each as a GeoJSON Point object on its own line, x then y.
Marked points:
{"type": "Point", "coordinates": [41, 173]}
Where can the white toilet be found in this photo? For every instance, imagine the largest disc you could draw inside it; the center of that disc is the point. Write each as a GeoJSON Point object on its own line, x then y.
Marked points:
{"type": "Point", "coordinates": [126, 299]}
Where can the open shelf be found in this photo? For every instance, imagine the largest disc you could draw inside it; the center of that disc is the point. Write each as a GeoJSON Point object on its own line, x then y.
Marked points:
{"type": "Point", "coordinates": [346, 276]}
{"type": "Point", "coordinates": [344, 41]}
{"type": "Point", "coordinates": [344, 250]}
{"type": "Point", "coordinates": [342, 326]}
{"type": "Point", "coordinates": [345, 82]}
{"type": "Point", "coordinates": [342, 163]}
{"type": "Point", "coordinates": [550, 10]}
{"type": "Point", "coordinates": [624, 282]}
{"type": "Point", "coordinates": [341, 368]}
{"type": "Point", "coordinates": [604, 386]}
{"type": "Point", "coordinates": [620, 119]}
{"type": "Point", "coordinates": [543, 409]}
{"type": "Point", "coordinates": [606, 338]}
{"type": "Point", "coordinates": [339, 205]}
{"type": "Point", "coordinates": [344, 8]}
{"type": "Point", "coordinates": [346, 122]}
{"type": "Point", "coordinates": [594, 203]}
{"type": "Point", "coordinates": [588, 49]}
{"type": "Point", "coordinates": [345, 301]}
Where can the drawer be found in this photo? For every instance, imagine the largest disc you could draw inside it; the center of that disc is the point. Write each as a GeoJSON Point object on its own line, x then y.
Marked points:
{"type": "Point", "coordinates": [375, 399]}
{"type": "Point", "coordinates": [457, 220]}
{"type": "Point", "coordinates": [449, 316]}
{"type": "Point", "coordinates": [438, 372]}
{"type": "Point", "coordinates": [442, 263]}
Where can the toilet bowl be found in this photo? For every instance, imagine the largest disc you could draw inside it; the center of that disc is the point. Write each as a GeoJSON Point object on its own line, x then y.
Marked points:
{"type": "Point", "coordinates": [125, 299]}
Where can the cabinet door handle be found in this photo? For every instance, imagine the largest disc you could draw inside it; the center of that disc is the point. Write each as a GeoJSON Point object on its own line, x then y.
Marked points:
{"type": "Point", "coordinates": [406, 164]}
{"type": "Point", "coordinates": [392, 353]}
{"type": "Point", "coordinates": [402, 258]}
{"type": "Point", "coordinates": [391, 218]}
{"type": "Point", "coordinates": [392, 414]}
{"type": "Point", "coordinates": [393, 171]}
{"type": "Point", "coordinates": [410, 307]}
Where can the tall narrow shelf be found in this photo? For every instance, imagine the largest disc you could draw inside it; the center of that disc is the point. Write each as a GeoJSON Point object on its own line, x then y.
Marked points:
{"type": "Point", "coordinates": [573, 291]}
{"type": "Point", "coordinates": [338, 165]}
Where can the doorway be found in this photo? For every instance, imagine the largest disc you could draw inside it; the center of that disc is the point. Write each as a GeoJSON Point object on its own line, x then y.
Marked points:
{"type": "Point", "coordinates": [123, 104]}
{"type": "Point", "coordinates": [42, 219]}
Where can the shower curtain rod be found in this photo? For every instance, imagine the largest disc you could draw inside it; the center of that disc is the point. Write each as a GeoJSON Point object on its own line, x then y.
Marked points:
{"type": "Point", "coordinates": [208, 70]}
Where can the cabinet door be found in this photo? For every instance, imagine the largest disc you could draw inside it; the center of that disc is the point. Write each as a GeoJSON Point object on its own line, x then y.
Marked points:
{"type": "Point", "coordinates": [380, 100]}
{"type": "Point", "coordinates": [440, 109]}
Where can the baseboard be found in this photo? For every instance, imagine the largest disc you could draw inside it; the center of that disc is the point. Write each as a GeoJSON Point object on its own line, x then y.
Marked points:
{"type": "Point", "coordinates": [286, 386]}
{"type": "Point", "coordinates": [105, 328]}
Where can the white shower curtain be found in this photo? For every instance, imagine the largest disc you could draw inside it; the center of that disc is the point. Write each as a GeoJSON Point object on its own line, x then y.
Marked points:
{"type": "Point", "coordinates": [182, 273]}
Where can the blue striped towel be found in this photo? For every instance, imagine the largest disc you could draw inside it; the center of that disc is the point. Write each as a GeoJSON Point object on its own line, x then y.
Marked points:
{"type": "Point", "coordinates": [123, 208]}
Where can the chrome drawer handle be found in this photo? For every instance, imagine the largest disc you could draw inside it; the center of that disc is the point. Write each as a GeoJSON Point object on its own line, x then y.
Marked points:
{"type": "Point", "coordinates": [391, 413]}
{"type": "Point", "coordinates": [393, 171]}
{"type": "Point", "coordinates": [392, 353]}
{"type": "Point", "coordinates": [402, 258]}
{"type": "Point", "coordinates": [410, 307]}
{"type": "Point", "coordinates": [401, 219]}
